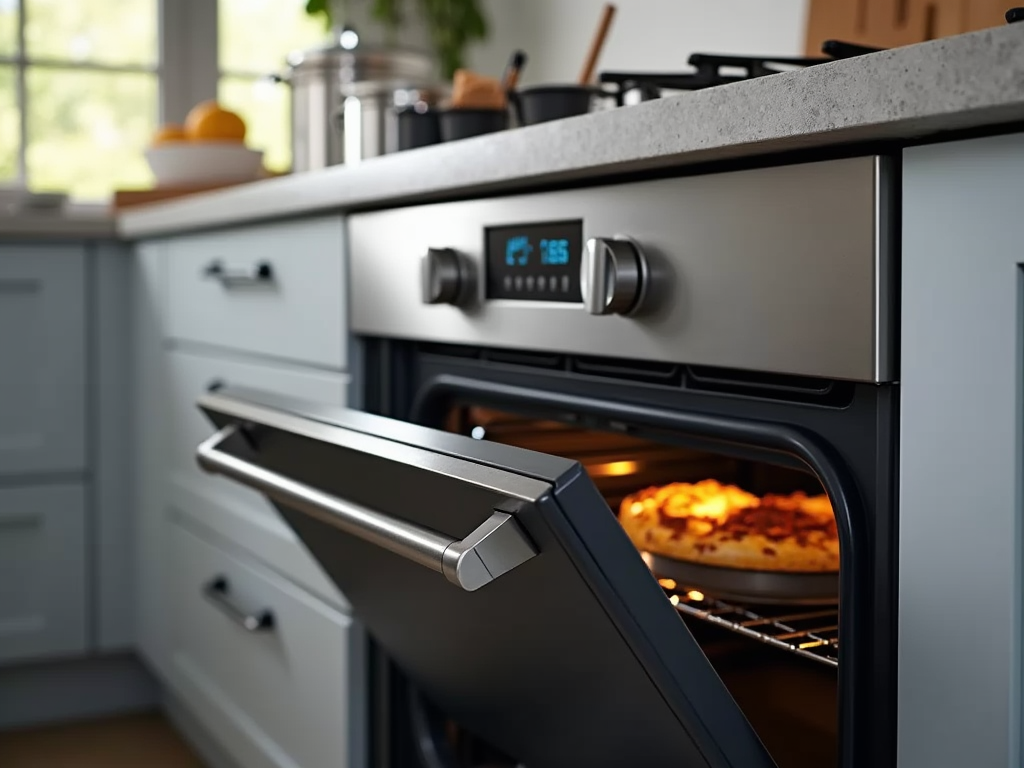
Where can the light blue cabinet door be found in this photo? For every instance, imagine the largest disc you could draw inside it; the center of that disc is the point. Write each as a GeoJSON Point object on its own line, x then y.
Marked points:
{"type": "Point", "coordinates": [42, 572]}
{"type": "Point", "coordinates": [42, 359]}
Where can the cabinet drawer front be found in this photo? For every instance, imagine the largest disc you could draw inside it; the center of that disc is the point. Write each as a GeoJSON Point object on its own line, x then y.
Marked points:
{"type": "Point", "coordinates": [232, 510]}
{"type": "Point", "coordinates": [296, 312]}
{"type": "Point", "coordinates": [42, 354]}
{"type": "Point", "coordinates": [277, 696]}
{"type": "Point", "coordinates": [42, 572]}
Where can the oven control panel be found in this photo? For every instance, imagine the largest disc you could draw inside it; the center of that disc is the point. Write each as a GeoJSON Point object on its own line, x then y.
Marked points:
{"type": "Point", "coordinates": [534, 262]}
{"type": "Point", "coordinates": [784, 269]}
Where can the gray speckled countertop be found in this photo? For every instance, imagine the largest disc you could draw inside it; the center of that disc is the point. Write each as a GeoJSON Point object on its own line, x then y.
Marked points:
{"type": "Point", "coordinates": [963, 82]}
{"type": "Point", "coordinates": [57, 226]}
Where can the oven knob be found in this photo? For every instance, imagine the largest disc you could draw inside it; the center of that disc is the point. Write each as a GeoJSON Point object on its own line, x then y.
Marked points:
{"type": "Point", "coordinates": [613, 276]}
{"type": "Point", "coordinates": [443, 277]}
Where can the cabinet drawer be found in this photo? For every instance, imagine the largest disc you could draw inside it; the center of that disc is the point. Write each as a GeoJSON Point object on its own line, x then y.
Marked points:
{"type": "Point", "coordinates": [42, 572]}
{"type": "Point", "coordinates": [229, 508]}
{"type": "Point", "coordinates": [42, 358]}
{"type": "Point", "coordinates": [296, 312]}
{"type": "Point", "coordinates": [274, 696]}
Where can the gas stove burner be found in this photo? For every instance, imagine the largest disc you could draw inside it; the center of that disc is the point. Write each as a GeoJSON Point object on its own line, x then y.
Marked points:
{"type": "Point", "coordinates": [712, 70]}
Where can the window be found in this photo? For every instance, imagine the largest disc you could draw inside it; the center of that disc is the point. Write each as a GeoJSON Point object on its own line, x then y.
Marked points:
{"type": "Point", "coordinates": [79, 89]}
{"type": "Point", "coordinates": [248, 55]}
{"type": "Point", "coordinates": [82, 84]}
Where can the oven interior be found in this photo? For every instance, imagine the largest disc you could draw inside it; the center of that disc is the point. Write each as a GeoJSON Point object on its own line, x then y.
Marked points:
{"type": "Point", "coordinates": [779, 662]}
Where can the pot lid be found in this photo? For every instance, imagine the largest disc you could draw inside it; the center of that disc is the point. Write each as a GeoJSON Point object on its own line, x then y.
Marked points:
{"type": "Point", "coordinates": [355, 62]}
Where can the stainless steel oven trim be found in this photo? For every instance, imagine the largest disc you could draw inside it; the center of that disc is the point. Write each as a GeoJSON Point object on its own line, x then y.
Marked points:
{"type": "Point", "coordinates": [509, 484]}
{"type": "Point", "coordinates": [496, 547]}
{"type": "Point", "coordinates": [784, 270]}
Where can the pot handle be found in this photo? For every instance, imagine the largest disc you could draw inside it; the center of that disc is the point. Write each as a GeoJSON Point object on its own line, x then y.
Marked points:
{"type": "Point", "coordinates": [517, 105]}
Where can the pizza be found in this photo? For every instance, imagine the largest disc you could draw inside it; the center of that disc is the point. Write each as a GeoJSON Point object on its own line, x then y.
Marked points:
{"type": "Point", "coordinates": [715, 524]}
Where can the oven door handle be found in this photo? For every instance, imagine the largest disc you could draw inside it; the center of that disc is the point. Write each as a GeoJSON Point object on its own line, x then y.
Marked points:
{"type": "Point", "coordinates": [496, 547]}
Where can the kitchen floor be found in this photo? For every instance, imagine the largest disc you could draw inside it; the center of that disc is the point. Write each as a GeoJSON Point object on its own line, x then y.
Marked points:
{"type": "Point", "coordinates": [123, 742]}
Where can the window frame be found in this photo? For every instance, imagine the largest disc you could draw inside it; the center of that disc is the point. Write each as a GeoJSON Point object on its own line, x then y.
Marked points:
{"type": "Point", "coordinates": [186, 69]}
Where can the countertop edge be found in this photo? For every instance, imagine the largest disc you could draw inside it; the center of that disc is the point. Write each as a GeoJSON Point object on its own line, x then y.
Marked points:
{"type": "Point", "coordinates": [971, 81]}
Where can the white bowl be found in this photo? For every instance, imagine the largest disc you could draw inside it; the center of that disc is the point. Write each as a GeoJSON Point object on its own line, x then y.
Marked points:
{"type": "Point", "coordinates": [182, 163]}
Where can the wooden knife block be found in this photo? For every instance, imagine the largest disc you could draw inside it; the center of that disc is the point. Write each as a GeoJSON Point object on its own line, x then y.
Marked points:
{"type": "Point", "coordinates": [893, 23]}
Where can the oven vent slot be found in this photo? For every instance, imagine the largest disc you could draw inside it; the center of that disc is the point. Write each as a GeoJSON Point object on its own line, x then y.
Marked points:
{"type": "Point", "coordinates": [667, 374]}
{"type": "Point", "coordinates": [802, 389]}
{"type": "Point", "coordinates": [450, 350]}
{"type": "Point", "coordinates": [808, 631]}
{"type": "Point", "coordinates": [531, 359]}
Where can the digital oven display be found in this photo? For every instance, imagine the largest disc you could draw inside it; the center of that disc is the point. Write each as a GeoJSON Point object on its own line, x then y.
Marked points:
{"type": "Point", "coordinates": [537, 262]}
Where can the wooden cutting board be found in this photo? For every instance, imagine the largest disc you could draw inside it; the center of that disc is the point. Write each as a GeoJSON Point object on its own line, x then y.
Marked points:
{"type": "Point", "coordinates": [127, 198]}
{"type": "Point", "coordinates": [893, 23]}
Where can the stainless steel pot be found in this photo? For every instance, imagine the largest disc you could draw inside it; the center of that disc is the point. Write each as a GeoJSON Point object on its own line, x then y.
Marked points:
{"type": "Point", "coordinates": [344, 101]}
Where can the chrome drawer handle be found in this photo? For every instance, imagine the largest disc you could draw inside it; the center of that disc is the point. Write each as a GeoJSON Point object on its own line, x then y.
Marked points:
{"type": "Point", "coordinates": [493, 549]}
{"type": "Point", "coordinates": [263, 274]}
{"type": "Point", "coordinates": [219, 594]}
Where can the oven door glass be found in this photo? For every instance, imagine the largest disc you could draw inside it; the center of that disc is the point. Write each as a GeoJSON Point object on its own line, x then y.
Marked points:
{"type": "Point", "coordinates": [497, 579]}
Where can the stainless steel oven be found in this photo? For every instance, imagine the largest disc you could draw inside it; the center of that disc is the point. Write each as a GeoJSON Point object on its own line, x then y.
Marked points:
{"type": "Point", "coordinates": [529, 363]}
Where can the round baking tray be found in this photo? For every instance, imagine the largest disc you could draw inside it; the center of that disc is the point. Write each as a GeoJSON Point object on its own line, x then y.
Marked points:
{"type": "Point", "coordinates": [766, 587]}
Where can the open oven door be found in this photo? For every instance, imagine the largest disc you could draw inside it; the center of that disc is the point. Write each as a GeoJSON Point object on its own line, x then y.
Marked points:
{"type": "Point", "coordinates": [497, 578]}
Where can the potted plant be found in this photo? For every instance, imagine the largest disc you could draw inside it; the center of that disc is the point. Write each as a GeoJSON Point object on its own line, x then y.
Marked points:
{"type": "Point", "coordinates": [451, 25]}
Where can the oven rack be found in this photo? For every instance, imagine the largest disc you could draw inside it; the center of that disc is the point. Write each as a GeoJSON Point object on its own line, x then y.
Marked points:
{"type": "Point", "coordinates": [808, 631]}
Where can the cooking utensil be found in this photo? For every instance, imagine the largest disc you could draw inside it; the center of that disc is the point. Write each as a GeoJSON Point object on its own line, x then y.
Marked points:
{"type": "Point", "coordinates": [513, 70]}
{"type": "Point", "coordinates": [542, 103]}
{"type": "Point", "coordinates": [597, 44]}
{"type": "Point", "coordinates": [418, 128]}
{"type": "Point", "coordinates": [345, 102]}
{"type": "Point", "coordinates": [763, 587]}
{"type": "Point", "coordinates": [464, 123]}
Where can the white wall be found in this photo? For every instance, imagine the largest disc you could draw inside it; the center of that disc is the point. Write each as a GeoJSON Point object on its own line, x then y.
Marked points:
{"type": "Point", "coordinates": [646, 35]}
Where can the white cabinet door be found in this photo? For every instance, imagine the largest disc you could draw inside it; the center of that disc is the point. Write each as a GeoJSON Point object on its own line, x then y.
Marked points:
{"type": "Point", "coordinates": [42, 359]}
{"type": "Point", "coordinates": [237, 513]}
{"type": "Point", "coordinates": [269, 669]}
{"type": "Point", "coordinates": [275, 290]}
{"type": "Point", "coordinates": [42, 572]}
{"type": "Point", "coordinates": [148, 469]}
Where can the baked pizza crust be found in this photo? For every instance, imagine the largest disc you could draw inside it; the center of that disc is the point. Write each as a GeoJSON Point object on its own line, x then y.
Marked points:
{"type": "Point", "coordinates": [722, 525]}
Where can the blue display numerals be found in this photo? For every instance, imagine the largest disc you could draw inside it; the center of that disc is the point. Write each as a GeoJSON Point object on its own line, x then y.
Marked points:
{"type": "Point", "coordinates": [554, 252]}
{"type": "Point", "coordinates": [517, 251]}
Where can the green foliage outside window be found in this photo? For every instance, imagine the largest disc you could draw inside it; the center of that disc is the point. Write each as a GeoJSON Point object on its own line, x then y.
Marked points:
{"type": "Point", "coordinates": [452, 24]}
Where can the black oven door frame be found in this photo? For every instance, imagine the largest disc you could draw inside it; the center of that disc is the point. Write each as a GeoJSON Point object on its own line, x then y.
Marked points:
{"type": "Point", "coordinates": [512, 650]}
{"type": "Point", "coordinates": [844, 433]}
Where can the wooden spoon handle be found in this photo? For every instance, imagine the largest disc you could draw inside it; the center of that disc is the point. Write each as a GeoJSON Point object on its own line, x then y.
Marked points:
{"type": "Point", "coordinates": [597, 44]}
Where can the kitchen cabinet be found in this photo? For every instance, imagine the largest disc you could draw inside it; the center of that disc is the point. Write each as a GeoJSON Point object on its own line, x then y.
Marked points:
{"type": "Point", "coordinates": [278, 696]}
{"type": "Point", "coordinates": [42, 572]}
{"type": "Point", "coordinates": [290, 696]}
{"type": "Point", "coordinates": [66, 559]}
{"type": "Point", "coordinates": [272, 290]}
{"type": "Point", "coordinates": [42, 346]}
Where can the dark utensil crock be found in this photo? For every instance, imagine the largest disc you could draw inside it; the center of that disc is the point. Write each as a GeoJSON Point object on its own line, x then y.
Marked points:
{"type": "Point", "coordinates": [462, 123]}
{"type": "Point", "coordinates": [418, 129]}
{"type": "Point", "coordinates": [542, 103]}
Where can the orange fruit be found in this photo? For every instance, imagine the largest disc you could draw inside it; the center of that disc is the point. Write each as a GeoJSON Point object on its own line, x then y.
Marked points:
{"type": "Point", "coordinates": [168, 134]}
{"type": "Point", "coordinates": [209, 121]}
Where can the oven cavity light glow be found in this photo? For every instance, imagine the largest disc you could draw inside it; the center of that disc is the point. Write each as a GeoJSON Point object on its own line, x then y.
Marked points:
{"type": "Point", "coordinates": [667, 583]}
{"type": "Point", "coordinates": [696, 596]}
{"type": "Point", "coordinates": [674, 599]}
{"type": "Point", "coordinates": [614, 469]}
{"type": "Point", "coordinates": [478, 433]}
